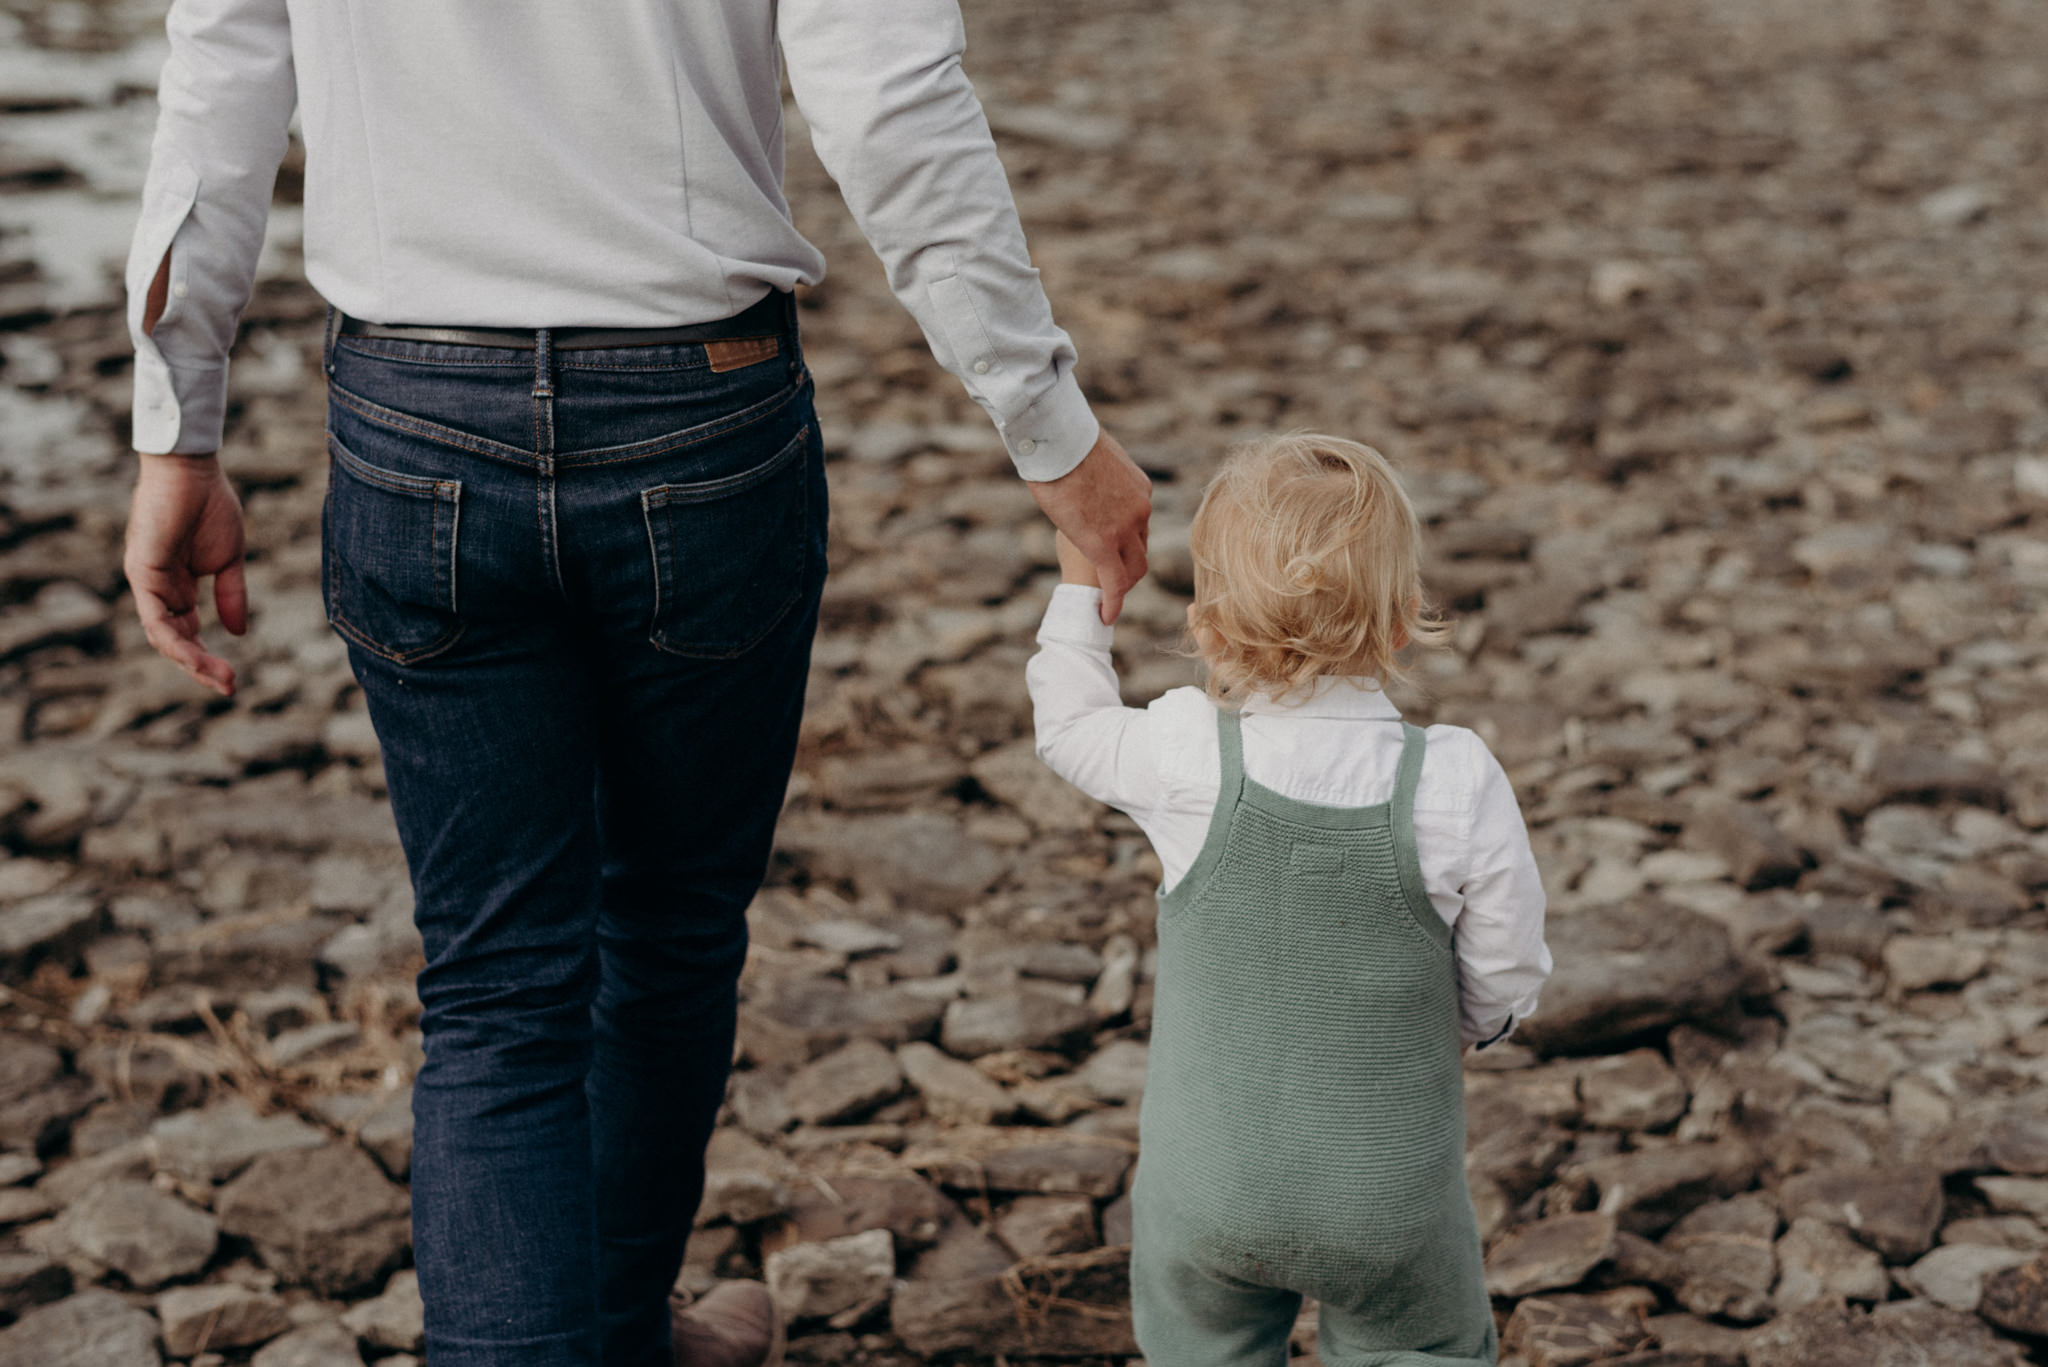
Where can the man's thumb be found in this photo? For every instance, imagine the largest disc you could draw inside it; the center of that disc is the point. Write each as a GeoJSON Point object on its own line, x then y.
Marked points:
{"type": "Point", "coordinates": [231, 598]}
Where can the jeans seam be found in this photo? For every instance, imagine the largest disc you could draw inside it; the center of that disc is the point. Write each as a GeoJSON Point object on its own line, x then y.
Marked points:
{"type": "Point", "coordinates": [428, 430]}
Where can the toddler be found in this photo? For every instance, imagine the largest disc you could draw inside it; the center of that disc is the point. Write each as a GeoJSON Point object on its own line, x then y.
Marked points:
{"type": "Point", "coordinates": [1347, 900]}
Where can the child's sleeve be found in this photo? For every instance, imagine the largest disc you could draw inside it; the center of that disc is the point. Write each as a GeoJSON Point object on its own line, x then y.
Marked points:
{"type": "Point", "coordinates": [1085, 734]}
{"type": "Point", "coordinates": [1502, 960]}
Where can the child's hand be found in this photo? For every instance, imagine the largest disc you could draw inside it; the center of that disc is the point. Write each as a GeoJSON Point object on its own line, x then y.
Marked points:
{"type": "Point", "coordinates": [1075, 568]}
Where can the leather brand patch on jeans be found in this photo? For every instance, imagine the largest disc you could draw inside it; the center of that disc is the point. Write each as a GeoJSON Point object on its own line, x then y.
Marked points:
{"type": "Point", "coordinates": [741, 351]}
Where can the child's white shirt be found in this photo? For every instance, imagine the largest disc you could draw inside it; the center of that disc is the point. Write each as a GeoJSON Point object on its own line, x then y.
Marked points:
{"type": "Point", "coordinates": [1161, 764]}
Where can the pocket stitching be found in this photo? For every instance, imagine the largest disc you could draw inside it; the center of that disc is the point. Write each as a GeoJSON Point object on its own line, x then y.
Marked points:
{"type": "Point", "coordinates": [660, 552]}
{"type": "Point", "coordinates": [440, 494]}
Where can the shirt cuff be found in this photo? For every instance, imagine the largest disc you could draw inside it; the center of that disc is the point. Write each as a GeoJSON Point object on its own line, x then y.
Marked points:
{"type": "Point", "coordinates": [1074, 617]}
{"type": "Point", "coordinates": [180, 412]}
{"type": "Point", "coordinates": [1049, 438]}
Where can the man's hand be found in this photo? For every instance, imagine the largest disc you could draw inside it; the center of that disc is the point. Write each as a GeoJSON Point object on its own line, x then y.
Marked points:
{"type": "Point", "coordinates": [1103, 505]}
{"type": "Point", "coordinates": [185, 523]}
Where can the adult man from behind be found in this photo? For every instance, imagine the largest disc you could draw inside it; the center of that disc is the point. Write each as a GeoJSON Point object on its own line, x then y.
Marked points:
{"type": "Point", "coordinates": [574, 537]}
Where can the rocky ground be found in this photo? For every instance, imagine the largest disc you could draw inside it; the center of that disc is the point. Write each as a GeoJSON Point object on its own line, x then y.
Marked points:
{"type": "Point", "coordinates": [1711, 337]}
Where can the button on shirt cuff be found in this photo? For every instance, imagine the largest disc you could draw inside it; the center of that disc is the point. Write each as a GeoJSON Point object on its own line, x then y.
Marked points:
{"type": "Point", "coordinates": [1049, 438]}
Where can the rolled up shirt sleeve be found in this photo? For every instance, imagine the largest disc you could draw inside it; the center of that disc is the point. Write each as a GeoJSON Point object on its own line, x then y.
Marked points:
{"type": "Point", "coordinates": [225, 101]}
{"type": "Point", "coordinates": [1503, 961]}
{"type": "Point", "coordinates": [898, 127]}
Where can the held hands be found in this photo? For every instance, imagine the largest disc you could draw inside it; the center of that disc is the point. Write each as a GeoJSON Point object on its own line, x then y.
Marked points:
{"type": "Point", "coordinates": [1102, 508]}
{"type": "Point", "coordinates": [185, 523]}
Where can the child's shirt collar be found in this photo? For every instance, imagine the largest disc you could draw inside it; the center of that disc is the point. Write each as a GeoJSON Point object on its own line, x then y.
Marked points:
{"type": "Point", "coordinates": [1359, 698]}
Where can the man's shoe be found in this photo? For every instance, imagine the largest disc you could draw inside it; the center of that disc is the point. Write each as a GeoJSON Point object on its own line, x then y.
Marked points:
{"type": "Point", "coordinates": [732, 1325]}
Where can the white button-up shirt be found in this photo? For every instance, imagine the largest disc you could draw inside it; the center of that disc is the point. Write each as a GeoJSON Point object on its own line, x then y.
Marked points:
{"type": "Point", "coordinates": [1162, 764]}
{"type": "Point", "coordinates": [485, 164]}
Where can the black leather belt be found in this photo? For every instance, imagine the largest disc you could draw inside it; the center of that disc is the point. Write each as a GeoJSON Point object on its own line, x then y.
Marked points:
{"type": "Point", "coordinates": [770, 317]}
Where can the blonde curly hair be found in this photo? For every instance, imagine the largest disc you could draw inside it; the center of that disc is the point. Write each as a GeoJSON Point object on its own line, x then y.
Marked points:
{"type": "Point", "coordinates": [1307, 563]}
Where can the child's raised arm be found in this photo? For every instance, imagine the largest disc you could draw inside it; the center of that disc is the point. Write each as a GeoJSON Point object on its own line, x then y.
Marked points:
{"type": "Point", "coordinates": [1084, 732]}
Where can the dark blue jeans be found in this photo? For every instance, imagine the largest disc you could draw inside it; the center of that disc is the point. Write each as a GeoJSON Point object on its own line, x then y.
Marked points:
{"type": "Point", "coordinates": [579, 590]}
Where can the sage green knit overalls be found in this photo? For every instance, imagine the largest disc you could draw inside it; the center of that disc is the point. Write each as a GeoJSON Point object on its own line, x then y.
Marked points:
{"type": "Point", "coordinates": [1303, 1126]}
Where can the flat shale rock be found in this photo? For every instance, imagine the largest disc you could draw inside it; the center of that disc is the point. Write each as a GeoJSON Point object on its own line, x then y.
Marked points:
{"type": "Point", "coordinates": [395, 1320]}
{"type": "Point", "coordinates": [1073, 1306]}
{"type": "Point", "coordinates": [1625, 970]}
{"type": "Point", "coordinates": [326, 1217]}
{"type": "Point", "coordinates": [1901, 1334]}
{"type": "Point", "coordinates": [30, 1279]}
{"type": "Point", "coordinates": [91, 1329]}
{"type": "Point", "coordinates": [1895, 1210]}
{"type": "Point", "coordinates": [1757, 853]}
{"type": "Point", "coordinates": [953, 1090]}
{"type": "Point", "coordinates": [219, 1315]}
{"type": "Point", "coordinates": [844, 1084]}
{"type": "Point", "coordinates": [1633, 1091]}
{"type": "Point", "coordinates": [816, 1281]}
{"type": "Point", "coordinates": [1570, 1331]}
{"type": "Point", "coordinates": [1040, 1226]}
{"type": "Point", "coordinates": [1725, 1248]}
{"type": "Point", "coordinates": [1549, 1255]}
{"type": "Point", "coordinates": [919, 858]}
{"type": "Point", "coordinates": [1818, 1261]}
{"type": "Point", "coordinates": [804, 1020]}
{"type": "Point", "coordinates": [1017, 1020]}
{"type": "Point", "coordinates": [1025, 1161]}
{"type": "Point", "coordinates": [1954, 1274]}
{"type": "Point", "coordinates": [320, 1345]}
{"type": "Point", "coordinates": [1648, 1190]}
{"type": "Point", "coordinates": [148, 1236]}
{"type": "Point", "coordinates": [213, 1144]}
{"type": "Point", "coordinates": [912, 1209]}
{"type": "Point", "coordinates": [2016, 1297]}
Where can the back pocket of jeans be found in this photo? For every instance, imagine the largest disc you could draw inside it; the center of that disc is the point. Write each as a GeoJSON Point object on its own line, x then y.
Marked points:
{"type": "Point", "coordinates": [729, 554]}
{"type": "Point", "coordinates": [388, 558]}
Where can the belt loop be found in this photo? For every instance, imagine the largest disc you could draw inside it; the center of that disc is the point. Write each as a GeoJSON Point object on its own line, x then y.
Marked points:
{"type": "Point", "coordinates": [333, 331]}
{"type": "Point", "coordinates": [544, 393]}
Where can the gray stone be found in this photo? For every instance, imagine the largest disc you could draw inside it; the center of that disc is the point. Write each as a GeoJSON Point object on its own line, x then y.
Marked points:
{"type": "Point", "coordinates": [148, 1236]}
{"type": "Point", "coordinates": [920, 858]}
{"type": "Point", "coordinates": [1650, 1189]}
{"type": "Point", "coordinates": [310, 1042]}
{"type": "Point", "coordinates": [2016, 1297]}
{"type": "Point", "coordinates": [26, 1066]}
{"type": "Point", "coordinates": [58, 923]}
{"type": "Point", "coordinates": [1726, 1251]}
{"type": "Point", "coordinates": [320, 1345]}
{"type": "Point", "coordinates": [1622, 970]}
{"type": "Point", "coordinates": [91, 1329]}
{"type": "Point", "coordinates": [1895, 1210]}
{"type": "Point", "coordinates": [213, 1144]}
{"type": "Point", "coordinates": [1757, 853]}
{"type": "Point", "coordinates": [844, 1084]}
{"type": "Point", "coordinates": [1818, 1261]}
{"type": "Point", "coordinates": [395, 1320]}
{"type": "Point", "coordinates": [804, 1020]}
{"type": "Point", "coordinates": [1115, 1072]}
{"type": "Point", "coordinates": [28, 1280]}
{"type": "Point", "coordinates": [1016, 1020]}
{"type": "Point", "coordinates": [952, 1090]}
{"type": "Point", "coordinates": [1904, 1334]}
{"type": "Point", "coordinates": [219, 1315]}
{"type": "Point", "coordinates": [1913, 963]}
{"type": "Point", "coordinates": [326, 1217]}
{"type": "Point", "coordinates": [16, 1168]}
{"type": "Point", "coordinates": [1079, 1307]}
{"type": "Point", "coordinates": [1549, 1255]}
{"type": "Point", "coordinates": [1953, 1275]}
{"type": "Point", "coordinates": [1014, 774]}
{"type": "Point", "coordinates": [816, 1281]}
{"type": "Point", "coordinates": [1568, 1331]}
{"type": "Point", "coordinates": [1040, 1226]}
{"type": "Point", "coordinates": [1632, 1091]}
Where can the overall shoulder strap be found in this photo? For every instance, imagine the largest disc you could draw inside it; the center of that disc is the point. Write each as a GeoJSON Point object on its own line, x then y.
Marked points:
{"type": "Point", "coordinates": [1413, 742]}
{"type": "Point", "coordinates": [1408, 862]}
{"type": "Point", "coordinates": [1230, 746]}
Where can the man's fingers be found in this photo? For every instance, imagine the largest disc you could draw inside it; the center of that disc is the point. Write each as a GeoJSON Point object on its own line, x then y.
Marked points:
{"type": "Point", "coordinates": [231, 598]}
